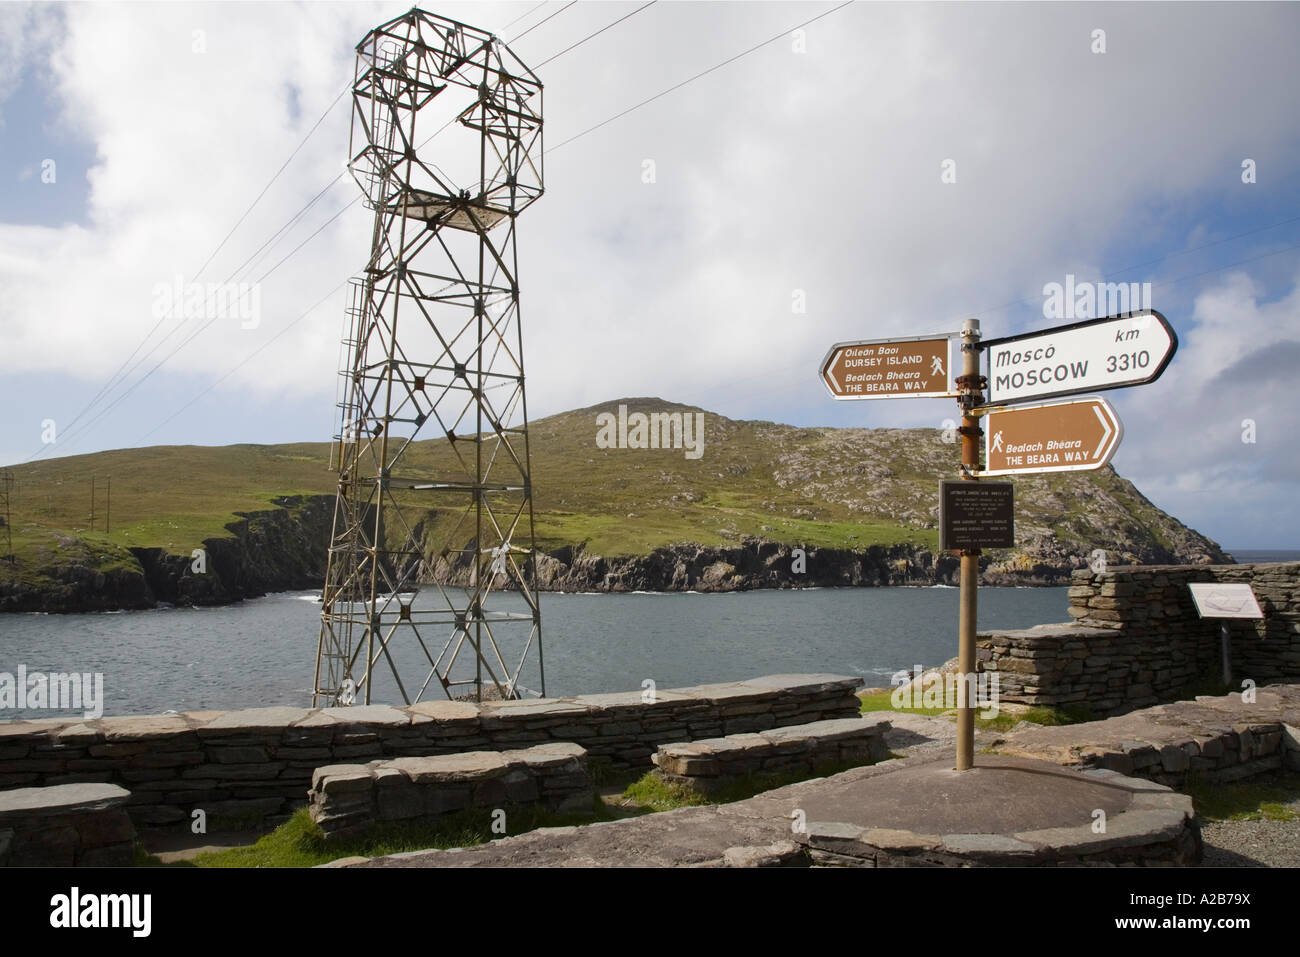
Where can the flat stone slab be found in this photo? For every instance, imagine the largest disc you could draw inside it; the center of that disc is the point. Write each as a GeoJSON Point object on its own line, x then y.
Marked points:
{"type": "Point", "coordinates": [257, 720]}
{"type": "Point", "coordinates": [60, 799]}
{"type": "Point", "coordinates": [143, 727]}
{"type": "Point", "coordinates": [997, 796]}
{"type": "Point", "coordinates": [445, 710]}
{"type": "Point", "coordinates": [379, 714]}
{"type": "Point", "coordinates": [708, 764]}
{"type": "Point", "coordinates": [1166, 741]}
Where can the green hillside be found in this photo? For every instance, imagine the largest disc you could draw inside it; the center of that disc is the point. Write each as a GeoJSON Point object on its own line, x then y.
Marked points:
{"type": "Point", "coordinates": [840, 488]}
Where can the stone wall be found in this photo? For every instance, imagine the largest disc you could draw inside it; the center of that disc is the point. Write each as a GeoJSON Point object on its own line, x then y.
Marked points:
{"type": "Point", "coordinates": [347, 800]}
{"type": "Point", "coordinates": [709, 765]}
{"type": "Point", "coordinates": [72, 825]}
{"type": "Point", "coordinates": [258, 763]}
{"type": "Point", "coordinates": [1154, 602]}
{"type": "Point", "coordinates": [1217, 739]}
{"type": "Point", "coordinates": [1137, 641]}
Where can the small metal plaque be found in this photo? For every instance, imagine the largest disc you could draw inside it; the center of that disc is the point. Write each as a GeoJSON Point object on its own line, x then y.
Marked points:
{"type": "Point", "coordinates": [976, 514]}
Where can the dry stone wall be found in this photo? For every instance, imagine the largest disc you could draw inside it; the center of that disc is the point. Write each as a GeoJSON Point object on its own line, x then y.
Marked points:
{"type": "Point", "coordinates": [1137, 641]}
{"type": "Point", "coordinates": [258, 763]}
{"type": "Point", "coordinates": [347, 800]}
{"type": "Point", "coordinates": [72, 825]}
{"type": "Point", "coordinates": [709, 765]}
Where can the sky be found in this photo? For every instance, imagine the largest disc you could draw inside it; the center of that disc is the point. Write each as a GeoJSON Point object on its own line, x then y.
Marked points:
{"type": "Point", "coordinates": [886, 170]}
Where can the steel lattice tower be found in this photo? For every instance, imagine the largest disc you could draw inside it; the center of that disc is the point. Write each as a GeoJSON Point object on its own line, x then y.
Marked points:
{"type": "Point", "coordinates": [450, 519]}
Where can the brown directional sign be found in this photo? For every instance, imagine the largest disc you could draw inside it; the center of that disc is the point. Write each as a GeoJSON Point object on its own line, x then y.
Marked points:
{"type": "Point", "coordinates": [889, 368]}
{"type": "Point", "coordinates": [1063, 436]}
{"type": "Point", "coordinates": [976, 515]}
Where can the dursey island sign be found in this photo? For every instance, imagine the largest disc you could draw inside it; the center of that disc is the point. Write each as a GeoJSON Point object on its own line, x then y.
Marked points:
{"type": "Point", "coordinates": [889, 368]}
{"type": "Point", "coordinates": [1090, 356]}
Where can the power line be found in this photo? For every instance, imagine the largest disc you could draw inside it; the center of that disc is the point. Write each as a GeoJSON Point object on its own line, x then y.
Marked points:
{"type": "Point", "coordinates": [318, 230]}
{"type": "Point", "coordinates": [139, 382]}
{"type": "Point", "coordinates": [767, 376]}
{"type": "Point", "coordinates": [543, 20]}
{"type": "Point", "coordinates": [271, 181]}
{"type": "Point", "coordinates": [625, 112]}
{"type": "Point", "coordinates": [113, 381]}
{"type": "Point", "coordinates": [596, 34]}
{"type": "Point", "coordinates": [704, 73]}
{"type": "Point", "coordinates": [524, 14]}
{"type": "Point", "coordinates": [248, 358]}
{"type": "Point", "coordinates": [119, 376]}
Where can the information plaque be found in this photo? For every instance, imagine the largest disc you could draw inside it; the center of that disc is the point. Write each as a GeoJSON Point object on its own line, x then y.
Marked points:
{"type": "Point", "coordinates": [975, 515]}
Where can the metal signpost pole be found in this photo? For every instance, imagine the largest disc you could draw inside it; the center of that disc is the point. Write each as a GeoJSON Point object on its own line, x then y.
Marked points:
{"type": "Point", "coordinates": [969, 398]}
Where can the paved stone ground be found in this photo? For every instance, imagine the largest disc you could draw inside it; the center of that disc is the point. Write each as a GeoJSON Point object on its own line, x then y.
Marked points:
{"type": "Point", "coordinates": [689, 836]}
{"type": "Point", "coordinates": [699, 836]}
{"type": "Point", "coordinates": [709, 836]}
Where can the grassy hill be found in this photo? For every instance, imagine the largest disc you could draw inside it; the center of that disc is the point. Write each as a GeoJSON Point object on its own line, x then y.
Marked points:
{"type": "Point", "coordinates": [814, 487]}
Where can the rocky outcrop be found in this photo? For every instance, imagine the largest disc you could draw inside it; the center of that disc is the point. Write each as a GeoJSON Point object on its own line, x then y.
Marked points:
{"type": "Point", "coordinates": [77, 586]}
{"type": "Point", "coordinates": [275, 550]}
{"type": "Point", "coordinates": [757, 563]}
{"type": "Point", "coordinates": [278, 550]}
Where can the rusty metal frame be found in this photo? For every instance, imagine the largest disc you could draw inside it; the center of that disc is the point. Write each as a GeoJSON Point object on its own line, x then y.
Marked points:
{"type": "Point", "coordinates": [451, 519]}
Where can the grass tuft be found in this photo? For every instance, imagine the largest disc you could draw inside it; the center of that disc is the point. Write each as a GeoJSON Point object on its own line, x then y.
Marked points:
{"type": "Point", "coordinates": [299, 842]}
{"type": "Point", "coordinates": [653, 792]}
{"type": "Point", "coordinates": [1264, 798]}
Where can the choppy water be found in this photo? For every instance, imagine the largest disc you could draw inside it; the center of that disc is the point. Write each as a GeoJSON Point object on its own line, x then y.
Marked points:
{"type": "Point", "coordinates": [262, 652]}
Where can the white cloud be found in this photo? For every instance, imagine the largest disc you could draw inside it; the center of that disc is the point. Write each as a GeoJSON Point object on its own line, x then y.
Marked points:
{"type": "Point", "coordinates": [817, 171]}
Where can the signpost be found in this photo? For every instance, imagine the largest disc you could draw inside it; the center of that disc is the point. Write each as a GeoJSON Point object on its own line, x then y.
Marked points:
{"type": "Point", "coordinates": [1048, 436]}
{"type": "Point", "coordinates": [1225, 601]}
{"type": "Point", "coordinates": [916, 367]}
{"type": "Point", "coordinates": [1090, 356]}
{"type": "Point", "coordinates": [1070, 435]}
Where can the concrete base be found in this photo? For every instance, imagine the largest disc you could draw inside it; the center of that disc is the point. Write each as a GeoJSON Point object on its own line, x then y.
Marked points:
{"type": "Point", "coordinates": [1004, 811]}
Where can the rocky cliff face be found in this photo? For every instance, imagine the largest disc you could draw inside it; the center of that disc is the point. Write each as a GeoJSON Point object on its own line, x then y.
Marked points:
{"type": "Point", "coordinates": [286, 548]}
{"type": "Point", "coordinates": [757, 563]}
{"type": "Point", "coordinates": [753, 564]}
{"type": "Point", "coordinates": [276, 550]}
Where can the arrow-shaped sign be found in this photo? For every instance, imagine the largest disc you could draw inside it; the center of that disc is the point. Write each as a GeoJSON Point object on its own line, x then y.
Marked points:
{"type": "Point", "coordinates": [916, 368]}
{"type": "Point", "coordinates": [1090, 356]}
{"type": "Point", "coordinates": [1071, 435]}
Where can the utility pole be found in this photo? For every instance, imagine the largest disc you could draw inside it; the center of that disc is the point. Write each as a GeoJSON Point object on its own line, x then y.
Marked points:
{"type": "Point", "coordinates": [108, 502]}
{"type": "Point", "coordinates": [92, 503]}
{"type": "Point", "coordinates": [6, 493]}
{"type": "Point", "coordinates": [969, 397]}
